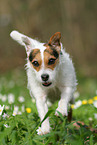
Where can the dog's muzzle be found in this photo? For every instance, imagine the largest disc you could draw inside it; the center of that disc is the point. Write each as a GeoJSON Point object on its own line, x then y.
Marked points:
{"type": "Point", "coordinates": [45, 78]}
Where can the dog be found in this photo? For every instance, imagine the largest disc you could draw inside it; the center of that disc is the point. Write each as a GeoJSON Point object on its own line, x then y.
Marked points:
{"type": "Point", "coordinates": [50, 73]}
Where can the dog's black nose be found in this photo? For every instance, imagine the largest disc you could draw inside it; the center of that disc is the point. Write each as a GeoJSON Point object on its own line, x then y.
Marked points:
{"type": "Point", "coordinates": [45, 77]}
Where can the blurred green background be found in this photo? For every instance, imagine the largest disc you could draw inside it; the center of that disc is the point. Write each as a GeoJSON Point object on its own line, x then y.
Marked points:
{"type": "Point", "coordinates": [76, 20]}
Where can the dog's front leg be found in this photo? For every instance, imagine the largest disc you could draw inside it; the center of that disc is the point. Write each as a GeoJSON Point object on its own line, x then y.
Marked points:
{"type": "Point", "coordinates": [42, 110]}
{"type": "Point", "coordinates": [66, 96]}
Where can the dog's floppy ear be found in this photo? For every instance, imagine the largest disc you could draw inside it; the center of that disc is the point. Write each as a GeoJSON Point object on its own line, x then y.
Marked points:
{"type": "Point", "coordinates": [22, 39]}
{"type": "Point", "coordinates": [55, 39]}
{"type": "Point", "coordinates": [27, 43]}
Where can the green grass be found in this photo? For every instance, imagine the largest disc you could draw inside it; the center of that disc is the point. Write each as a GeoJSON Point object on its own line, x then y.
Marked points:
{"type": "Point", "coordinates": [22, 127]}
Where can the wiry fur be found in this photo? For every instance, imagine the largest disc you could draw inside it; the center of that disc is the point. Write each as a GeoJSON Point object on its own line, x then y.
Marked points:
{"type": "Point", "coordinates": [63, 79]}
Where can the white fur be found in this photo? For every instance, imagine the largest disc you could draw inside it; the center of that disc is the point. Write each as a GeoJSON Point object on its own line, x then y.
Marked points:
{"type": "Point", "coordinates": [62, 77]}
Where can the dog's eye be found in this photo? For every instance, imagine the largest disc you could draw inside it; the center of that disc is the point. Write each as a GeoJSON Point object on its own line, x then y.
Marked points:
{"type": "Point", "coordinates": [51, 61]}
{"type": "Point", "coordinates": [35, 63]}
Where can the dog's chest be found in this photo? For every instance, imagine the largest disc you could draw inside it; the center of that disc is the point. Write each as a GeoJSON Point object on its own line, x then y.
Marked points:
{"type": "Point", "coordinates": [54, 94]}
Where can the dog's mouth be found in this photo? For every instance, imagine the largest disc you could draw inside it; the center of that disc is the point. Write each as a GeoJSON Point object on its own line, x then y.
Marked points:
{"type": "Point", "coordinates": [46, 84]}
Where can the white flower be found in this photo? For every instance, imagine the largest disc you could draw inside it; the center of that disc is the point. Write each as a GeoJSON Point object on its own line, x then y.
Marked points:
{"type": "Point", "coordinates": [77, 104]}
{"type": "Point", "coordinates": [16, 108]}
{"type": "Point", "coordinates": [95, 104]}
{"type": "Point", "coordinates": [19, 112]}
{"type": "Point", "coordinates": [76, 95]}
{"type": "Point", "coordinates": [4, 98]}
{"type": "Point", "coordinates": [21, 99]}
{"type": "Point", "coordinates": [39, 131]}
{"type": "Point", "coordinates": [11, 98]}
{"type": "Point", "coordinates": [6, 107]}
{"type": "Point", "coordinates": [90, 119]}
{"type": "Point", "coordinates": [4, 115]}
{"type": "Point", "coordinates": [6, 125]}
{"type": "Point", "coordinates": [95, 115]}
{"type": "Point", "coordinates": [16, 111]}
{"type": "Point", "coordinates": [33, 100]}
{"type": "Point", "coordinates": [1, 109]}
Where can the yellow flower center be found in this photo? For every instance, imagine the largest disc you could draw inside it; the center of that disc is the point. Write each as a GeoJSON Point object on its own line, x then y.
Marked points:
{"type": "Point", "coordinates": [28, 110]}
{"type": "Point", "coordinates": [84, 102]}
{"type": "Point", "coordinates": [14, 113]}
{"type": "Point", "coordinates": [95, 98]}
{"type": "Point", "coordinates": [72, 106]}
{"type": "Point", "coordinates": [90, 101]}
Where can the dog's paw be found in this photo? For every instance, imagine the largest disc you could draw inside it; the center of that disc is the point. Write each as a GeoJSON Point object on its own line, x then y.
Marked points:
{"type": "Point", "coordinates": [63, 112]}
{"type": "Point", "coordinates": [42, 130]}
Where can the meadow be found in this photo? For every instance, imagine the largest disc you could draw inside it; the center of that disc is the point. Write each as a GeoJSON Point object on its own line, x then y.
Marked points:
{"type": "Point", "coordinates": [19, 121]}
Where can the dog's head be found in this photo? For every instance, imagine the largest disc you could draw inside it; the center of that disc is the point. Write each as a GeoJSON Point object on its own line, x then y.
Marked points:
{"type": "Point", "coordinates": [43, 58]}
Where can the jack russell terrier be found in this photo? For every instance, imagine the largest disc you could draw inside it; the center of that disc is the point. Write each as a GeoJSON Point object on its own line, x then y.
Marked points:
{"type": "Point", "coordinates": [50, 74]}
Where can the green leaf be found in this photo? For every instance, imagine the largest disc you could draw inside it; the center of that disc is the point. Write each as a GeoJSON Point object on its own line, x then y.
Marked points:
{"type": "Point", "coordinates": [38, 142]}
{"type": "Point", "coordinates": [91, 139]}
{"type": "Point", "coordinates": [60, 115]}
{"type": "Point", "coordinates": [47, 115]}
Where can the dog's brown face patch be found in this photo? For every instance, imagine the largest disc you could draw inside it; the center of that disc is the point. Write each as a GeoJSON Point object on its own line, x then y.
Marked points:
{"type": "Point", "coordinates": [51, 57]}
{"type": "Point", "coordinates": [35, 59]}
